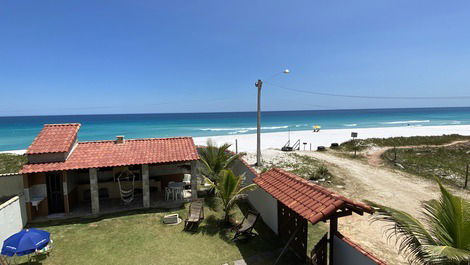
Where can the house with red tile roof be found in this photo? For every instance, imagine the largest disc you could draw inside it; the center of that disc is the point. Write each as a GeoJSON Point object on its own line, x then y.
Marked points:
{"type": "Point", "coordinates": [64, 176]}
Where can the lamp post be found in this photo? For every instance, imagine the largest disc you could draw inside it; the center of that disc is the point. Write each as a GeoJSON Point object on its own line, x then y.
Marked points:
{"type": "Point", "coordinates": [259, 84]}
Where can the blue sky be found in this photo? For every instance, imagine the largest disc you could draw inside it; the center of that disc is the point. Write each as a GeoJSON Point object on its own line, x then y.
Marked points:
{"type": "Point", "coordinates": [80, 57]}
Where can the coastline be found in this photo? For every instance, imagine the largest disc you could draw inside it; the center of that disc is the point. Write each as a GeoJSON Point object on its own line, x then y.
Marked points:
{"type": "Point", "coordinates": [275, 140]}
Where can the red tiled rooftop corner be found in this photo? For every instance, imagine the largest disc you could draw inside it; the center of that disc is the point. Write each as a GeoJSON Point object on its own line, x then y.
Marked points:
{"type": "Point", "coordinates": [311, 201]}
{"type": "Point", "coordinates": [54, 138]}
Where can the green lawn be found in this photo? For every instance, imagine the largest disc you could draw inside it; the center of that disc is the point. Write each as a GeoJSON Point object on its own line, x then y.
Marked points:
{"type": "Point", "coordinates": [141, 238]}
{"type": "Point", "coordinates": [10, 163]}
{"type": "Point", "coordinates": [361, 144]}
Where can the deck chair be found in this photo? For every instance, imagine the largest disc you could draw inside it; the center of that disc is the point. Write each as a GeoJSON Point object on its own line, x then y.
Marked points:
{"type": "Point", "coordinates": [245, 228]}
{"type": "Point", "coordinates": [195, 215]}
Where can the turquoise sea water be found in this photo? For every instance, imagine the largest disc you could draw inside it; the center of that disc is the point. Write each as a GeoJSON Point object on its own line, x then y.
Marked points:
{"type": "Point", "coordinates": [18, 132]}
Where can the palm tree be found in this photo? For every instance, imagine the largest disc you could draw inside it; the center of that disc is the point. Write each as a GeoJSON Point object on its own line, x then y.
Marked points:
{"type": "Point", "coordinates": [215, 159]}
{"type": "Point", "coordinates": [442, 238]}
{"type": "Point", "coordinates": [229, 189]}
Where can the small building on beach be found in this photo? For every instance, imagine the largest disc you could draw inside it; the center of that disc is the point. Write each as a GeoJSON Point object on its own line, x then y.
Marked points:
{"type": "Point", "coordinates": [64, 176]}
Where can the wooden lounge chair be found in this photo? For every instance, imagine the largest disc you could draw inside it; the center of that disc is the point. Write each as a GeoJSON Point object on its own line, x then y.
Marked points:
{"type": "Point", "coordinates": [245, 228]}
{"type": "Point", "coordinates": [195, 215]}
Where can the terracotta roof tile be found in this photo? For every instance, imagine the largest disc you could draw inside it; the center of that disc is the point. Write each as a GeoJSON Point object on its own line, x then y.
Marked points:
{"type": "Point", "coordinates": [54, 138]}
{"type": "Point", "coordinates": [131, 152]}
{"type": "Point", "coordinates": [310, 200]}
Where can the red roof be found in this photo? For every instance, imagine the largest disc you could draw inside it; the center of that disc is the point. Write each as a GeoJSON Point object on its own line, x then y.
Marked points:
{"type": "Point", "coordinates": [313, 202]}
{"type": "Point", "coordinates": [54, 138]}
{"type": "Point", "coordinates": [131, 152]}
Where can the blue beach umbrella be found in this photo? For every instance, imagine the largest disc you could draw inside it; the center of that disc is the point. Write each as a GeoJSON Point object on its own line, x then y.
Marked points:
{"type": "Point", "coordinates": [25, 242]}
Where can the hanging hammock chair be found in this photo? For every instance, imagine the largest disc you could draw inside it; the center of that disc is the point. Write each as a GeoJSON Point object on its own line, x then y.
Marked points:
{"type": "Point", "coordinates": [125, 188]}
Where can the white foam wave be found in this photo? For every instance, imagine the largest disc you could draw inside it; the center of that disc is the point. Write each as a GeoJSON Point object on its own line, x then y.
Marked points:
{"type": "Point", "coordinates": [242, 130]}
{"type": "Point", "coordinates": [406, 122]}
{"type": "Point", "coordinates": [350, 125]}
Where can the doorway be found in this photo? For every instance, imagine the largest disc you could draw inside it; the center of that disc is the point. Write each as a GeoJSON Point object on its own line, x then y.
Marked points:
{"type": "Point", "coordinates": [55, 194]}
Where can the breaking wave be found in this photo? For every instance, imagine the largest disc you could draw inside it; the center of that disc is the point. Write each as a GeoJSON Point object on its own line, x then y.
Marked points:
{"type": "Point", "coordinates": [350, 125]}
{"type": "Point", "coordinates": [406, 122]}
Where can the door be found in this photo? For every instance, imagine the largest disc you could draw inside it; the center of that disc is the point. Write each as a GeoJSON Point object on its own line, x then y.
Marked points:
{"type": "Point", "coordinates": [293, 229]}
{"type": "Point", "coordinates": [55, 195]}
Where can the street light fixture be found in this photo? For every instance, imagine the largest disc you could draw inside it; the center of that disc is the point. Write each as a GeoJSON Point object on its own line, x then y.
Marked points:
{"type": "Point", "coordinates": [259, 84]}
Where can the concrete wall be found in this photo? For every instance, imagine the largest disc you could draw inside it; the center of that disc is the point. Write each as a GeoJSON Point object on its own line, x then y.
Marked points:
{"type": "Point", "coordinates": [264, 203]}
{"type": "Point", "coordinates": [12, 217]}
{"type": "Point", "coordinates": [345, 254]}
{"type": "Point", "coordinates": [10, 185]}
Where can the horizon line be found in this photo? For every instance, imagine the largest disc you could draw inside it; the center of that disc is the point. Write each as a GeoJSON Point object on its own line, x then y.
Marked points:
{"type": "Point", "coordinates": [208, 112]}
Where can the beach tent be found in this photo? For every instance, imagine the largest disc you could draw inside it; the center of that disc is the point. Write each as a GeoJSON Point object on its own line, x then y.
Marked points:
{"type": "Point", "coordinates": [25, 242]}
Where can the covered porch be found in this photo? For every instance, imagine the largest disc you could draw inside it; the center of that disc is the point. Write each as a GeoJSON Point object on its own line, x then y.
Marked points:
{"type": "Point", "coordinates": [94, 191]}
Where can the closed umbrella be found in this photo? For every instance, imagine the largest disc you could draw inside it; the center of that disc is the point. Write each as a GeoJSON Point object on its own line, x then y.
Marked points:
{"type": "Point", "coordinates": [25, 242]}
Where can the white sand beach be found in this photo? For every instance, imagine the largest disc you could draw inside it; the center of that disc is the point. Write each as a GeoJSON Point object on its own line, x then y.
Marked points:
{"type": "Point", "coordinates": [275, 140]}
{"type": "Point", "coordinates": [247, 142]}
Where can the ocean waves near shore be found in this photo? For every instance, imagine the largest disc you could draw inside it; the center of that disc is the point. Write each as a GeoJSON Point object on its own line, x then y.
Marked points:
{"type": "Point", "coordinates": [18, 132]}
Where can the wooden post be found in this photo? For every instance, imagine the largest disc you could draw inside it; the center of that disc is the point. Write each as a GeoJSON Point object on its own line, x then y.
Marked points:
{"type": "Point", "coordinates": [466, 177]}
{"type": "Point", "coordinates": [395, 154]}
{"type": "Point", "coordinates": [236, 146]}
{"type": "Point", "coordinates": [333, 230]}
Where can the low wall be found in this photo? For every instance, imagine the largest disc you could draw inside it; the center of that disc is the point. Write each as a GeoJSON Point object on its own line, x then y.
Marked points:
{"type": "Point", "coordinates": [346, 252]}
{"type": "Point", "coordinates": [12, 217]}
{"type": "Point", "coordinates": [264, 203]}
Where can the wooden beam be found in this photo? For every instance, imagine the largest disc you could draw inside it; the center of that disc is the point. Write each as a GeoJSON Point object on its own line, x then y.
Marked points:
{"type": "Point", "coordinates": [342, 213]}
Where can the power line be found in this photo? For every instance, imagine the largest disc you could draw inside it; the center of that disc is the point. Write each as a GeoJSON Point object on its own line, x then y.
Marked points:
{"type": "Point", "coordinates": [359, 96]}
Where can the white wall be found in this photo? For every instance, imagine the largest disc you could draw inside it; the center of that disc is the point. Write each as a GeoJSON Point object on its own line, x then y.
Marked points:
{"type": "Point", "coordinates": [264, 203]}
{"type": "Point", "coordinates": [345, 254]}
{"type": "Point", "coordinates": [10, 185]}
{"type": "Point", "coordinates": [12, 217]}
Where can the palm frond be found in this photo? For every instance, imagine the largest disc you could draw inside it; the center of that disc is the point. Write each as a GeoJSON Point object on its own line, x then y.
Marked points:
{"type": "Point", "coordinates": [410, 234]}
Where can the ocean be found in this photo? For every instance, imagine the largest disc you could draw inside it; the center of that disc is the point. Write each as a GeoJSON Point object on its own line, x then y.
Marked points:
{"type": "Point", "coordinates": [18, 132]}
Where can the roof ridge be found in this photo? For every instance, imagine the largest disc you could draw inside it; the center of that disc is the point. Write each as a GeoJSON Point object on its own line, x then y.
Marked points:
{"type": "Point", "coordinates": [302, 180]}
{"type": "Point", "coordinates": [61, 124]}
{"type": "Point", "coordinates": [321, 189]}
{"type": "Point", "coordinates": [136, 139]}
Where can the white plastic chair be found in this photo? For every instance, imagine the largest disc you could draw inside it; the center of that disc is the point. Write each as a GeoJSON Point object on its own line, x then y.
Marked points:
{"type": "Point", "coordinates": [168, 193]}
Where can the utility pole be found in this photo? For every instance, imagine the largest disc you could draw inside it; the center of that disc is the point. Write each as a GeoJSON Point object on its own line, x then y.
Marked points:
{"type": "Point", "coordinates": [258, 84]}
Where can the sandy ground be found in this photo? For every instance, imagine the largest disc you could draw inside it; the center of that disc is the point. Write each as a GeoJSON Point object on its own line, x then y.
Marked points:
{"type": "Point", "coordinates": [379, 184]}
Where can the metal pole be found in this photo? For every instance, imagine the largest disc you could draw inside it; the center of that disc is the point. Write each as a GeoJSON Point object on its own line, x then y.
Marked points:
{"type": "Point", "coordinates": [258, 84]}
{"type": "Point", "coordinates": [236, 146]}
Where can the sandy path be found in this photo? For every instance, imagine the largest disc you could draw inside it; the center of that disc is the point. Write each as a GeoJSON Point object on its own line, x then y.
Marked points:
{"type": "Point", "coordinates": [375, 157]}
{"type": "Point", "coordinates": [379, 184]}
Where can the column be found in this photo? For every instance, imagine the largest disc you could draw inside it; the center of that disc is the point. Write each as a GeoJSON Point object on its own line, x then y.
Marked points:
{"type": "Point", "coordinates": [145, 185]}
{"type": "Point", "coordinates": [95, 199]}
{"type": "Point", "coordinates": [27, 198]}
{"type": "Point", "coordinates": [333, 230]}
{"type": "Point", "coordinates": [193, 180]}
